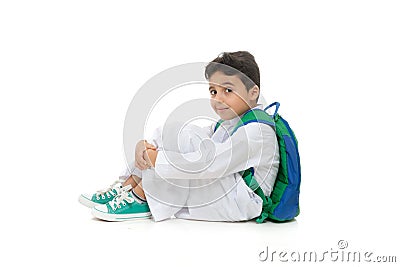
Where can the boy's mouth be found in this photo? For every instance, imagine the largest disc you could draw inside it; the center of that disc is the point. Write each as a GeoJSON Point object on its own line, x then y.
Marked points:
{"type": "Point", "coordinates": [221, 109]}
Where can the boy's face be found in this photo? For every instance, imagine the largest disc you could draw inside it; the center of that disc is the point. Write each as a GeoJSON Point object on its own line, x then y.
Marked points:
{"type": "Point", "coordinates": [229, 97]}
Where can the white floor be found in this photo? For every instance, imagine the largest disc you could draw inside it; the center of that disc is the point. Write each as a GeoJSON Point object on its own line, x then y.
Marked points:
{"type": "Point", "coordinates": [70, 236]}
{"type": "Point", "coordinates": [178, 242]}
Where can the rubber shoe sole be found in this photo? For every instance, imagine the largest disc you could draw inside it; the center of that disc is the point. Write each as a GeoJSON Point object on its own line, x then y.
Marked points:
{"type": "Point", "coordinates": [119, 217]}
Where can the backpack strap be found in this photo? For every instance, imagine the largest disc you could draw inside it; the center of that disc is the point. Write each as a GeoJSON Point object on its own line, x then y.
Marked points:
{"type": "Point", "coordinates": [277, 105]}
{"type": "Point", "coordinates": [217, 125]}
{"type": "Point", "coordinates": [252, 115]}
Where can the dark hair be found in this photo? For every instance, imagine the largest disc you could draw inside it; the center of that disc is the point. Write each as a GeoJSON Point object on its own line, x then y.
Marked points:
{"type": "Point", "coordinates": [240, 63]}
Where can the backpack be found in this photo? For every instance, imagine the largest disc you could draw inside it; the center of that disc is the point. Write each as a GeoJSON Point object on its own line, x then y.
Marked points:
{"type": "Point", "coordinates": [283, 203]}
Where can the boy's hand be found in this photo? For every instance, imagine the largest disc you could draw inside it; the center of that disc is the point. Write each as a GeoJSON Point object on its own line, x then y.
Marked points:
{"type": "Point", "coordinates": [151, 156]}
{"type": "Point", "coordinates": [140, 160]}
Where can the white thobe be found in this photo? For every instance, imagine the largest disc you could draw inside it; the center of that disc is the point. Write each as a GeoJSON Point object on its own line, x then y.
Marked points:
{"type": "Point", "coordinates": [202, 179]}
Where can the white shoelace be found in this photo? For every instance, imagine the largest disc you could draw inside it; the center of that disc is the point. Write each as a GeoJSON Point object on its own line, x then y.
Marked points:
{"type": "Point", "coordinates": [109, 190]}
{"type": "Point", "coordinates": [122, 197]}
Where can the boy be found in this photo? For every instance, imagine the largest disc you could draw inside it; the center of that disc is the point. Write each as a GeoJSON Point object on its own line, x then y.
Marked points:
{"type": "Point", "coordinates": [163, 183]}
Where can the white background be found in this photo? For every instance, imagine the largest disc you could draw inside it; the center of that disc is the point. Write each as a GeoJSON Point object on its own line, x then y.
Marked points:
{"type": "Point", "coordinates": [69, 69]}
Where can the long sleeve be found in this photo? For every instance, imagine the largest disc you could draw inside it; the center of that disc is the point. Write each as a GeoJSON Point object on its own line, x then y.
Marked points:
{"type": "Point", "coordinates": [244, 149]}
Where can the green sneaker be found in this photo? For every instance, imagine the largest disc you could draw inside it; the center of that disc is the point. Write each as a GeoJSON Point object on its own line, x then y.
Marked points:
{"type": "Point", "coordinates": [102, 196]}
{"type": "Point", "coordinates": [123, 207]}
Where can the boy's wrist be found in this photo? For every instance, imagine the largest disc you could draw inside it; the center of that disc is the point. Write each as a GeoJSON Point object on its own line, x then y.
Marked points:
{"type": "Point", "coordinates": [152, 154]}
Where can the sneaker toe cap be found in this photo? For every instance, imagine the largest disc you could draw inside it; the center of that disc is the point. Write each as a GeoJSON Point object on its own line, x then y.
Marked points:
{"type": "Point", "coordinates": [85, 200]}
{"type": "Point", "coordinates": [102, 208]}
{"type": "Point", "coordinates": [87, 196]}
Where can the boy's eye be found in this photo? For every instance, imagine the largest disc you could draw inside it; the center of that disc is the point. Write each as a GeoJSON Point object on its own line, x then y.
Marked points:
{"type": "Point", "coordinates": [213, 92]}
{"type": "Point", "coordinates": [228, 90]}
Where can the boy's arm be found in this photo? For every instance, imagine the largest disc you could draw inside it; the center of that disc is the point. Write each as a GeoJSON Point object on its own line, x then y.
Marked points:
{"type": "Point", "coordinates": [245, 149]}
{"type": "Point", "coordinates": [151, 155]}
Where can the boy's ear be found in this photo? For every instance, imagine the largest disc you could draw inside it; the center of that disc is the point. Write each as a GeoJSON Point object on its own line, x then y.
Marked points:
{"type": "Point", "coordinates": [254, 92]}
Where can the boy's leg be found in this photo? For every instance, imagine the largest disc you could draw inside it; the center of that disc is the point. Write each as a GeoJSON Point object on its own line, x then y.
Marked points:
{"type": "Point", "coordinates": [137, 188]}
{"type": "Point", "coordinates": [224, 199]}
{"type": "Point", "coordinates": [139, 192]}
{"type": "Point", "coordinates": [132, 180]}
{"type": "Point", "coordinates": [129, 176]}
{"type": "Point", "coordinates": [166, 197]}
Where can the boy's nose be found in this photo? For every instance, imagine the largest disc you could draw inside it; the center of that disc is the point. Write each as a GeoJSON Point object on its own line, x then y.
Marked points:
{"type": "Point", "coordinates": [218, 102]}
{"type": "Point", "coordinates": [219, 98]}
